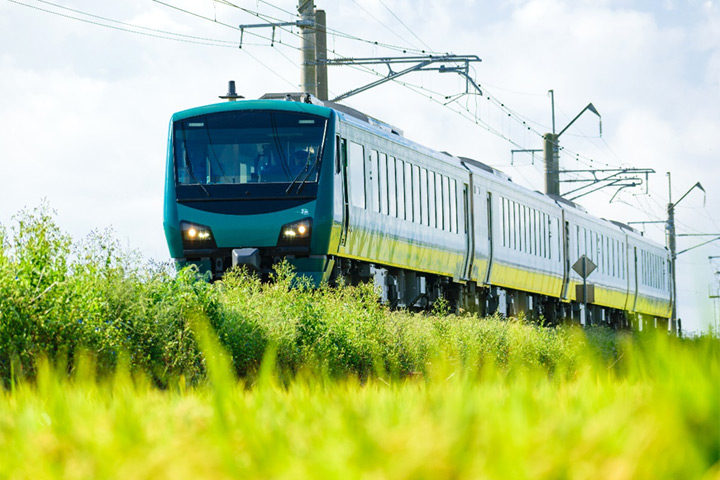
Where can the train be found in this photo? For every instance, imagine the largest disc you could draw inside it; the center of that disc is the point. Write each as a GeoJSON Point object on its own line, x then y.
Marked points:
{"type": "Point", "coordinates": [346, 198]}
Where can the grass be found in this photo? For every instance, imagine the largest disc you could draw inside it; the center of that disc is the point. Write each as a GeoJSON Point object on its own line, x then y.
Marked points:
{"type": "Point", "coordinates": [113, 369]}
{"type": "Point", "coordinates": [644, 420]}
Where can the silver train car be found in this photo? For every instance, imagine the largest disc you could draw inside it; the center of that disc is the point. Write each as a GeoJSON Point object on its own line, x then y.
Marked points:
{"type": "Point", "coordinates": [424, 224]}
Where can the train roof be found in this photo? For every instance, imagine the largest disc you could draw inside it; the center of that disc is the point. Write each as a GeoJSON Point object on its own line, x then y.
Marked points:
{"type": "Point", "coordinates": [308, 103]}
{"type": "Point", "coordinates": [307, 98]}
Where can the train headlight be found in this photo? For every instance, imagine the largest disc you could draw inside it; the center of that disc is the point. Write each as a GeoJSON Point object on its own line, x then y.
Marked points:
{"type": "Point", "coordinates": [196, 236]}
{"type": "Point", "coordinates": [296, 233]}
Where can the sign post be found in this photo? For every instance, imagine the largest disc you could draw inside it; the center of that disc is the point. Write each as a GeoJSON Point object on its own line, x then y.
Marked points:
{"type": "Point", "coordinates": [584, 267]}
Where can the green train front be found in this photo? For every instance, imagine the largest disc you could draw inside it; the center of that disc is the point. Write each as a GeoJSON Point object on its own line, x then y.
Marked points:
{"type": "Point", "coordinates": [248, 183]}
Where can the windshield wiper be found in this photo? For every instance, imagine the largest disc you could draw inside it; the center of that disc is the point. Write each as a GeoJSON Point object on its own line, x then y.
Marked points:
{"type": "Point", "coordinates": [317, 159]}
{"type": "Point", "coordinates": [309, 171]}
{"type": "Point", "coordinates": [304, 169]}
{"type": "Point", "coordinates": [188, 165]}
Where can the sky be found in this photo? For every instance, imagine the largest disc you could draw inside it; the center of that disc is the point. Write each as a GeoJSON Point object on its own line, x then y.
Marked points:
{"type": "Point", "coordinates": [87, 90]}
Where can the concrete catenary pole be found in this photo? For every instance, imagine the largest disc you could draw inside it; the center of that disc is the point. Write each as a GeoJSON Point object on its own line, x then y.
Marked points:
{"type": "Point", "coordinates": [321, 55]}
{"type": "Point", "coordinates": [672, 246]}
{"type": "Point", "coordinates": [552, 164]}
{"type": "Point", "coordinates": [552, 155]}
{"type": "Point", "coordinates": [308, 79]}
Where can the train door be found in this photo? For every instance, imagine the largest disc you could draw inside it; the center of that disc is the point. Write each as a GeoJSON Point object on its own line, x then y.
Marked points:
{"type": "Point", "coordinates": [342, 164]}
{"type": "Point", "coordinates": [489, 236]}
{"type": "Point", "coordinates": [635, 279]}
{"type": "Point", "coordinates": [469, 234]}
{"type": "Point", "coordinates": [566, 255]}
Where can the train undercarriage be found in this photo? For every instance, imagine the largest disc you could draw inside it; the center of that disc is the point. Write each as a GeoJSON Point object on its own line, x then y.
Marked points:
{"type": "Point", "coordinates": [400, 288]}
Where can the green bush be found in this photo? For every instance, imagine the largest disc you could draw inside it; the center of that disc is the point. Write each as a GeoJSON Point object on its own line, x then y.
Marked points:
{"type": "Point", "coordinates": [58, 298]}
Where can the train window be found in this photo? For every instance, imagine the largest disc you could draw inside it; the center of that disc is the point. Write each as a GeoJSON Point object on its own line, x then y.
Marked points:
{"type": "Point", "coordinates": [424, 197]}
{"type": "Point", "coordinates": [357, 175]}
{"type": "Point", "coordinates": [446, 202]}
{"type": "Point", "coordinates": [538, 233]}
{"type": "Point", "coordinates": [374, 180]}
{"type": "Point", "coordinates": [528, 230]}
{"type": "Point", "coordinates": [531, 230]}
{"type": "Point", "coordinates": [439, 200]}
{"type": "Point", "coordinates": [400, 181]}
{"type": "Point", "coordinates": [392, 188]}
{"type": "Point", "coordinates": [517, 243]}
{"type": "Point", "coordinates": [525, 228]}
{"type": "Point", "coordinates": [588, 240]}
{"type": "Point", "coordinates": [512, 225]}
{"type": "Point", "coordinates": [577, 241]}
{"type": "Point", "coordinates": [453, 206]}
{"type": "Point", "coordinates": [416, 194]}
{"type": "Point", "coordinates": [550, 235]}
{"type": "Point", "coordinates": [408, 193]}
{"type": "Point", "coordinates": [383, 180]}
{"type": "Point", "coordinates": [541, 235]}
{"type": "Point", "coordinates": [248, 147]}
{"type": "Point", "coordinates": [521, 227]}
{"type": "Point", "coordinates": [535, 216]}
{"type": "Point", "coordinates": [432, 206]}
{"type": "Point", "coordinates": [606, 255]}
{"type": "Point", "coordinates": [503, 201]}
{"type": "Point", "coordinates": [526, 215]}
{"type": "Point", "coordinates": [559, 239]}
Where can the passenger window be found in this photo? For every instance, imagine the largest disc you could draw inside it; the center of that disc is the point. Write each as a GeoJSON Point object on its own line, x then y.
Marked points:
{"type": "Point", "coordinates": [408, 193]}
{"type": "Point", "coordinates": [424, 197]}
{"type": "Point", "coordinates": [357, 175]}
{"type": "Point", "coordinates": [439, 200]}
{"type": "Point", "coordinates": [432, 207]}
{"type": "Point", "coordinates": [506, 221]}
{"type": "Point", "coordinates": [383, 180]}
{"type": "Point", "coordinates": [392, 188]}
{"type": "Point", "coordinates": [375, 179]}
{"type": "Point", "coordinates": [416, 194]}
{"type": "Point", "coordinates": [400, 172]}
{"type": "Point", "coordinates": [453, 207]}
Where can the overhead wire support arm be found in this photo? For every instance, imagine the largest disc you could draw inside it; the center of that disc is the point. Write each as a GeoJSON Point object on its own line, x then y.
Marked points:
{"type": "Point", "coordinates": [298, 23]}
{"type": "Point", "coordinates": [421, 63]}
{"type": "Point", "coordinates": [616, 178]}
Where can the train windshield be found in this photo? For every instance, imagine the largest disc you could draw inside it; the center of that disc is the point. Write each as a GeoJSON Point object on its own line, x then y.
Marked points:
{"type": "Point", "coordinates": [248, 147]}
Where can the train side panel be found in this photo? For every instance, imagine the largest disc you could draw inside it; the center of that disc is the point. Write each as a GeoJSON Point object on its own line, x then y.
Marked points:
{"type": "Point", "coordinates": [604, 244]}
{"type": "Point", "coordinates": [397, 228]}
{"type": "Point", "coordinates": [652, 277]}
{"type": "Point", "coordinates": [526, 241]}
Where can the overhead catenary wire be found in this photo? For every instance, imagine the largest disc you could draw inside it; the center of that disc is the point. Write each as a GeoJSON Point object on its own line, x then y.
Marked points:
{"type": "Point", "coordinates": [380, 22]}
{"type": "Point", "coordinates": [406, 27]}
{"type": "Point", "coordinates": [465, 111]}
{"type": "Point", "coordinates": [270, 19]}
{"type": "Point", "coordinates": [127, 27]}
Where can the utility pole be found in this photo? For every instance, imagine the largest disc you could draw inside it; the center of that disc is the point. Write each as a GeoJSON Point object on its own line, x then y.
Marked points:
{"type": "Point", "coordinates": [672, 246]}
{"type": "Point", "coordinates": [670, 229]}
{"type": "Point", "coordinates": [551, 151]}
{"type": "Point", "coordinates": [313, 47]}
{"type": "Point", "coordinates": [715, 299]}
{"type": "Point", "coordinates": [552, 148]}
{"type": "Point", "coordinates": [308, 60]}
{"type": "Point", "coordinates": [321, 55]}
{"type": "Point", "coordinates": [313, 50]}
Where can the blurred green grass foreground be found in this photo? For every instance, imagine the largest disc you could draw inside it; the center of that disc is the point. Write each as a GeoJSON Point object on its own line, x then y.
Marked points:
{"type": "Point", "coordinates": [111, 368]}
